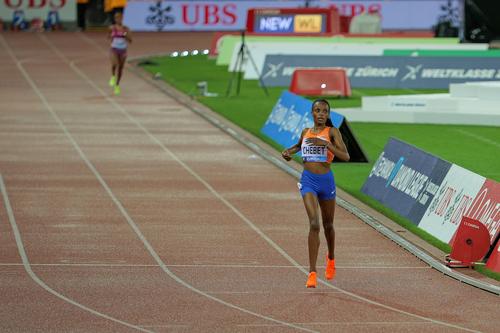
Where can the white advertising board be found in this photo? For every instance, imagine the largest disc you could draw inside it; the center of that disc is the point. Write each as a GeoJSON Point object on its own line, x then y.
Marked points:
{"type": "Point", "coordinates": [452, 201]}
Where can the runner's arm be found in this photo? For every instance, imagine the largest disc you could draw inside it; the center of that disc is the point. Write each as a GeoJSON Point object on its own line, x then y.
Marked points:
{"type": "Point", "coordinates": [337, 146]}
{"type": "Point", "coordinates": [287, 153]}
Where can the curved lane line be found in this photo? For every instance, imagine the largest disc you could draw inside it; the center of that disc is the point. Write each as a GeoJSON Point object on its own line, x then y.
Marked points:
{"type": "Point", "coordinates": [27, 265]}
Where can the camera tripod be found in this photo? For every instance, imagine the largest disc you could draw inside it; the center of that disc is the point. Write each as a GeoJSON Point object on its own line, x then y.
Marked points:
{"type": "Point", "coordinates": [243, 53]}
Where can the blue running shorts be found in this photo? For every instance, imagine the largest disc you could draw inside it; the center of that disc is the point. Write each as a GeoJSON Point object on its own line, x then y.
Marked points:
{"type": "Point", "coordinates": [321, 185]}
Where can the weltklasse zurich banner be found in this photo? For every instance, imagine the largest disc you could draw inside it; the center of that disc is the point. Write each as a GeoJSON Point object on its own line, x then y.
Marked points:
{"type": "Point", "coordinates": [386, 71]}
{"type": "Point", "coordinates": [290, 115]}
{"type": "Point", "coordinates": [432, 193]}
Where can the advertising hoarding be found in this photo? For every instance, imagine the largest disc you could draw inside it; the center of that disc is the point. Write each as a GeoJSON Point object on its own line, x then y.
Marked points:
{"type": "Point", "coordinates": [433, 193]}
{"type": "Point", "coordinates": [405, 179]}
{"type": "Point", "coordinates": [290, 115]}
{"type": "Point", "coordinates": [197, 15]}
{"type": "Point", "coordinates": [386, 71]}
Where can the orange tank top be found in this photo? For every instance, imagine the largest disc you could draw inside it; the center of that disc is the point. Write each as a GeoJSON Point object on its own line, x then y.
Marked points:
{"type": "Point", "coordinates": [311, 153]}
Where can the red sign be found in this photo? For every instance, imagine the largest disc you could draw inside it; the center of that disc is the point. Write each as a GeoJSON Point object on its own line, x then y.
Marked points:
{"type": "Point", "coordinates": [471, 243]}
{"type": "Point", "coordinates": [494, 261]}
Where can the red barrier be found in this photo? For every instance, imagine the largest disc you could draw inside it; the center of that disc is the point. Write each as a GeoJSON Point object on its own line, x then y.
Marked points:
{"type": "Point", "coordinates": [471, 243]}
{"type": "Point", "coordinates": [321, 82]}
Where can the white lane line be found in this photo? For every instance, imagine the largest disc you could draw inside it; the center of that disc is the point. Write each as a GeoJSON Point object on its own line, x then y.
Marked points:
{"type": "Point", "coordinates": [122, 209]}
{"type": "Point", "coordinates": [249, 223]}
{"type": "Point", "coordinates": [348, 323]}
{"type": "Point", "coordinates": [274, 292]}
{"type": "Point", "coordinates": [171, 326]}
{"type": "Point", "coordinates": [479, 137]}
{"type": "Point", "coordinates": [27, 266]}
{"type": "Point", "coordinates": [209, 266]}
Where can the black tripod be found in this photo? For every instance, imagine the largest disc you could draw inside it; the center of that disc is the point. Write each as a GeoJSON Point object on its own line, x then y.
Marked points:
{"type": "Point", "coordinates": [238, 66]}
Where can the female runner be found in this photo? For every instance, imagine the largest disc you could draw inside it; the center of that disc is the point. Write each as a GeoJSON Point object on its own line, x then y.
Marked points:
{"type": "Point", "coordinates": [318, 146]}
{"type": "Point", "coordinates": [120, 37]}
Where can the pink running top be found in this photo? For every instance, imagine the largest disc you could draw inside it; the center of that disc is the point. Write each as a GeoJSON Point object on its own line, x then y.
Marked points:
{"type": "Point", "coordinates": [118, 40]}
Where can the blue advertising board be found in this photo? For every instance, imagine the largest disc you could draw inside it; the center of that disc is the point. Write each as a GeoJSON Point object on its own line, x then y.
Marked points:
{"type": "Point", "coordinates": [386, 71]}
{"type": "Point", "coordinates": [290, 115]}
{"type": "Point", "coordinates": [405, 179]}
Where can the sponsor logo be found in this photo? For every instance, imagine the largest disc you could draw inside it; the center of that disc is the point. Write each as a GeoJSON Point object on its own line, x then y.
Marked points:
{"type": "Point", "coordinates": [159, 15]}
{"type": "Point", "coordinates": [403, 178]}
{"type": "Point", "coordinates": [449, 205]}
{"type": "Point", "coordinates": [209, 14]}
{"type": "Point", "coordinates": [412, 72]}
{"type": "Point", "coordinates": [273, 70]}
{"type": "Point", "coordinates": [471, 225]}
{"type": "Point", "coordinates": [395, 171]}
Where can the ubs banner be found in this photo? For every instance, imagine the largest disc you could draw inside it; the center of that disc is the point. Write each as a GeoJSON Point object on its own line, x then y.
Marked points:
{"type": "Point", "coordinates": [432, 193]}
{"type": "Point", "coordinates": [30, 9]}
{"type": "Point", "coordinates": [195, 15]}
{"type": "Point", "coordinates": [199, 15]}
{"type": "Point", "coordinates": [386, 71]}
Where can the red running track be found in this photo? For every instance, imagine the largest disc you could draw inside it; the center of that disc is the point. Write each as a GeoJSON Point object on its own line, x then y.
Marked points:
{"type": "Point", "coordinates": [132, 213]}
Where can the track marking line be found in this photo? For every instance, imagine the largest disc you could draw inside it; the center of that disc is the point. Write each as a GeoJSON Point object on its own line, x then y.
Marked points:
{"type": "Point", "coordinates": [117, 202]}
{"type": "Point", "coordinates": [294, 292]}
{"type": "Point", "coordinates": [479, 137]}
{"type": "Point", "coordinates": [361, 323]}
{"type": "Point", "coordinates": [249, 223]}
{"type": "Point", "coordinates": [97, 265]}
{"type": "Point", "coordinates": [27, 266]}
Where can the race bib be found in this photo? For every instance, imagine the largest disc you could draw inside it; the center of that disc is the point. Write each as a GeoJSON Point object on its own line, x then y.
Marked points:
{"type": "Point", "coordinates": [314, 153]}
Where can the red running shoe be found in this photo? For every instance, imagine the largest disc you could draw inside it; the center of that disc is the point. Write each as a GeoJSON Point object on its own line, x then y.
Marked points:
{"type": "Point", "coordinates": [311, 280]}
{"type": "Point", "coordinates": [330, 268]}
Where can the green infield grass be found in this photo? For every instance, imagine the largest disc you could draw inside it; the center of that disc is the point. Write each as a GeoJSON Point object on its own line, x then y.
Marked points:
{"type": "Point", "coordinates": [476, 148]}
